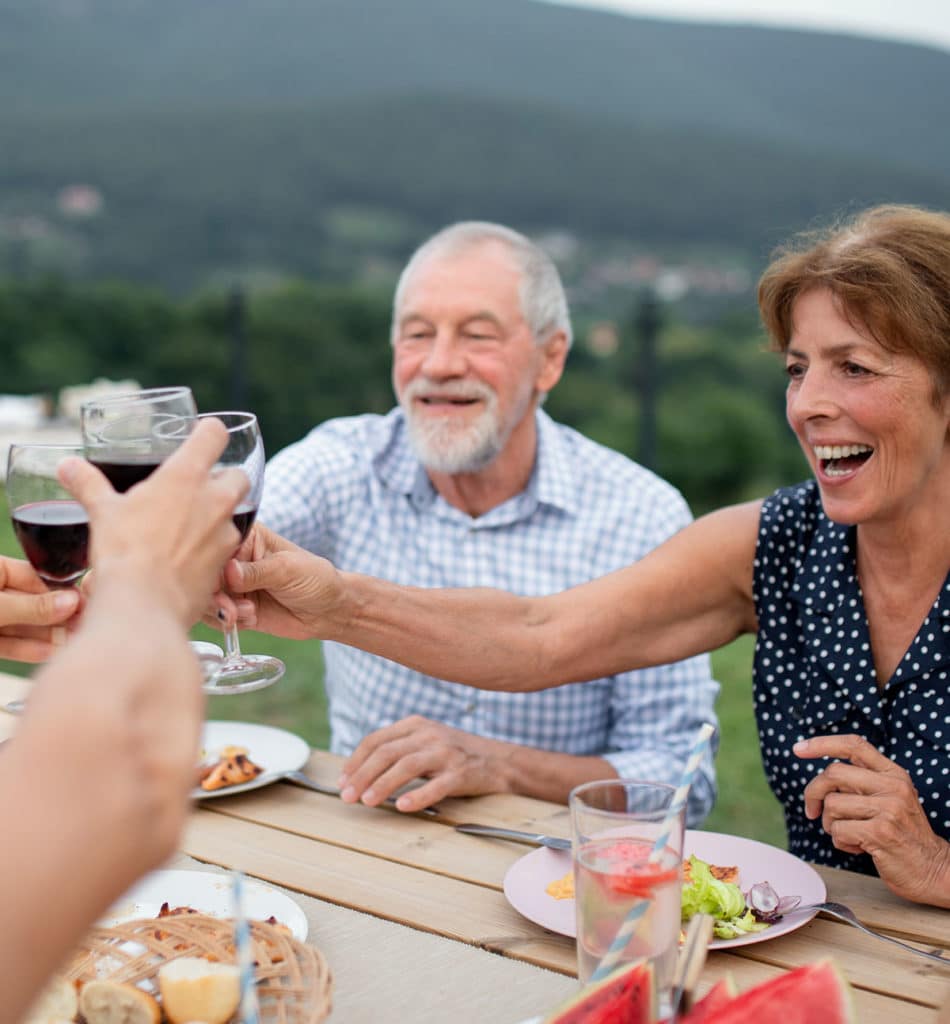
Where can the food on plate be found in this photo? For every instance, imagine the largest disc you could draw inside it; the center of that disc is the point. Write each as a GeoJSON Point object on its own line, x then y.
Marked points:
{"type": "Point", "coordinates": [195, 989]}
{"type": "Point", "coordinates": [231, 767]}
{"type": "Point", "coordinates": [813, 994]}
{"type": "Point", "coordinates": [713, 889]}
{"type": "Point", "coordinates": [116, 1002]}
{"type": "Point", "coordinates": [625, 996]}
{"type": "Point", "coordinates": [58, 1001]}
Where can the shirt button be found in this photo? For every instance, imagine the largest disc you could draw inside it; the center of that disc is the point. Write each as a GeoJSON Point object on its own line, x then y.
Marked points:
{"type": "Point", "coordinates": [469, 709]}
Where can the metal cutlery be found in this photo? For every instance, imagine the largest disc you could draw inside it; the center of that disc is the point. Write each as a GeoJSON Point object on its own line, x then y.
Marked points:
{"type": "Point", "coordinates": [534, 838]}
{"type": "Point", "coordinates": [846, 914]}
{"type": "Point", "coordinates": [298, 778]}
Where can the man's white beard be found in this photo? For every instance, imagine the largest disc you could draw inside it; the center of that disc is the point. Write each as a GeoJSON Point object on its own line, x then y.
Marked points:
{"type": "Point", "coordinates": [444, 445]}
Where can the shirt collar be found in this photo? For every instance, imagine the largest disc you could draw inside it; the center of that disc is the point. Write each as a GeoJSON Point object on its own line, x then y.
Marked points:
{"type": "Point", "coordinates": [552, 481]}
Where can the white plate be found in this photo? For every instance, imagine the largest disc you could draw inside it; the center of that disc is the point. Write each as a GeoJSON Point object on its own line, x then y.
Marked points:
{"type": "Point", "coordinates": [209, 893]}
{"type": "Point", "coordinates": [275, 750]}
{"type": "Point", "coordinates": [527, 879]}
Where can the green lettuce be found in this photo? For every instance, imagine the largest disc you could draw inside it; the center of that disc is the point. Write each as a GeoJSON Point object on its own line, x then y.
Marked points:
{"type": "Point", "coordinates": [705, 894]}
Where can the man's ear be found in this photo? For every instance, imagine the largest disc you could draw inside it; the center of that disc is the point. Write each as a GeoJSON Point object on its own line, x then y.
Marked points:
{"type": "Point", "coordinates": [554, 355]}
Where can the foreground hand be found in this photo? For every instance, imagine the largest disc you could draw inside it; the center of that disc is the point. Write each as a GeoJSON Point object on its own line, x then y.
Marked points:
{"type": "Point", "coordinates": [456, 763]}
{"type": "Point", "coordinates": [31, 616]}
{"type": "Point", "coordinates": [868, 804]}
{"type": "Point", "coordinates": [174, 530]}
{"type": "Point", "coordinates": [285, 589]}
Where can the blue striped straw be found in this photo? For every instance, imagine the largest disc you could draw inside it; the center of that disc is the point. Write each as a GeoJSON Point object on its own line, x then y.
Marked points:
{"type": "Point", "coordinates": [612, 957]}
{"type": "Point", "coordinates": [245, 956]}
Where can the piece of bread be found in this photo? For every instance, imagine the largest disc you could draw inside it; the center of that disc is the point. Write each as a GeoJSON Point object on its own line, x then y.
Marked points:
{"type": "Point", "coordinates": [57, 1002]}
{"type": "Point", "coordinates": [194, 989]}
{"type": "Point", "coordinates": [116, 1002]}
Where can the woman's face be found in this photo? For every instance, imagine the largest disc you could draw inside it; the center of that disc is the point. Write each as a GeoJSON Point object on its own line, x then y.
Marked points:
{"type": "Point", "coordinates": [865, 417]}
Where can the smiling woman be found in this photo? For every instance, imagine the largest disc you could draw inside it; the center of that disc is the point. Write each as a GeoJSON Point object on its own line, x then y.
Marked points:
{"type": "Point", "coordinates": [844, 579]}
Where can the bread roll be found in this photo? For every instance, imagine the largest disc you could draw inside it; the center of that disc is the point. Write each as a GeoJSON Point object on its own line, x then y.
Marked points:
{"type": "Point", "coordinates": [115, 1002]}
{"type": "Point", "coordinates": [194, 989]}
{"type": "Point", "coordinates": [58, 1001]}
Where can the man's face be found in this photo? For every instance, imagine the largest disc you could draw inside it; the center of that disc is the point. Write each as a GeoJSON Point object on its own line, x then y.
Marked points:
{"type": "Point", "coordinates": [466, 369]}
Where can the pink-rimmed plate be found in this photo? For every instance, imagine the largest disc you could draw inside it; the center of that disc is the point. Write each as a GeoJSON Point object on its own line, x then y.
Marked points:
{"type": "Point", "coordinates": [527, 879]}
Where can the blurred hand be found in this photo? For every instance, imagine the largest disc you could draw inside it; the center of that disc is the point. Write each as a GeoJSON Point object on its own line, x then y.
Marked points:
{"type": "Point", "coordinates": [173, 530]}
{"type": "Point", "coordinates": [286, 590]}
{"type": "Point", "coordinates": [31, 615]}
{"type": "Point", "coordinates": [868, 804]}
{"type": "Point", "coordinates": [456, 763]}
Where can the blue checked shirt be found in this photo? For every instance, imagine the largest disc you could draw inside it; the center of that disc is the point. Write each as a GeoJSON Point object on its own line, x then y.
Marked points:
{"type": "Point", "coordinates": [353, 492]}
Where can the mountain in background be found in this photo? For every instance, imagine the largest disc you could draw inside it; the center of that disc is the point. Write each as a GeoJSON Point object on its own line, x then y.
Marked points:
{"type": "Point", "coordinates": [302, 134]}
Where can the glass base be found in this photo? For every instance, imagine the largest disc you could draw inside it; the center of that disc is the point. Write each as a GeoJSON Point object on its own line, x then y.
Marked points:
{"type": "Point", "coordinates": [245, 673]}
{"type": "Point", "coordinates": [15, 707]}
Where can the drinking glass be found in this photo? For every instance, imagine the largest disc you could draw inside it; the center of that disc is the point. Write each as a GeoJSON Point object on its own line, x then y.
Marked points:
{"type": "Point", "coordinates": [51, 526]}
{"type": "Point", "coordinates": [237, 672]}
{"type": "Point", "coordinates": [615, 824]}
{"type": "Point", "coordinates": [119, 432]}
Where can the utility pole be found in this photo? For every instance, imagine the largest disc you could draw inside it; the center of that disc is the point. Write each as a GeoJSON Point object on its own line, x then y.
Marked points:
{"type": "Point", "coordinates": [237, 309]}
{"type": "Point", "coordinates": [646, 383]}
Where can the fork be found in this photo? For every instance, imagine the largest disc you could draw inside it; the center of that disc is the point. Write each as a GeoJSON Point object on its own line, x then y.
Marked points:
{"type": "Point", "coordinates": [846, 914]}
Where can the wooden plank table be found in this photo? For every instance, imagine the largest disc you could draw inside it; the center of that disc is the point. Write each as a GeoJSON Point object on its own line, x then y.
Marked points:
{"type": "Point", "coordinates": [424, 877]}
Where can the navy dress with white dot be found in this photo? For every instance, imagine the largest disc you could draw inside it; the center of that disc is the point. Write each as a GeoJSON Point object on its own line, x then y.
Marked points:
{"type": "Point", "coordinates": [814, 673]}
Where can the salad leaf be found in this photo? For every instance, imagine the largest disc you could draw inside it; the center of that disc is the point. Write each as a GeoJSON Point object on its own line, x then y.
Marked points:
{"type": "Point", "coordinates": [706, 894]}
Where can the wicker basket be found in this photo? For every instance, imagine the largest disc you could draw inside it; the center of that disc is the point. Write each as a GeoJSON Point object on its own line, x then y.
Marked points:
{"type": "Point", "coordinates": [293, 980]}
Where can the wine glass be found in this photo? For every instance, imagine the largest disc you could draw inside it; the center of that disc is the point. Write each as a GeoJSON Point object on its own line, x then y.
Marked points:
{"type": "Point", "coordinates": [119, 432]}
{"type": "Point", "coordinates": [237, 673]}
{"type": "Point", "coordinates": [51, 526]}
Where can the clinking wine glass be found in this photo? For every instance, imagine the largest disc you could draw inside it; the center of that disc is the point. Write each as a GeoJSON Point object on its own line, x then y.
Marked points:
{"type": "Point", "coordinates": [237, 673]}
{"type": "Point", "coordinates": [51, 526]}
{"type": "Point", "coordinates": [120, 432]}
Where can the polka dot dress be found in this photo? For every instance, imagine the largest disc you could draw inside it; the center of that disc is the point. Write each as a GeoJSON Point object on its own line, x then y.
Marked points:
{"type": "Point", "coordinates": [814, 673]}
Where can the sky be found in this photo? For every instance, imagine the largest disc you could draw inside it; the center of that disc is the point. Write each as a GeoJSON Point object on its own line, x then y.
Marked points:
{"type": "Point", "coordinates": [920, 21]}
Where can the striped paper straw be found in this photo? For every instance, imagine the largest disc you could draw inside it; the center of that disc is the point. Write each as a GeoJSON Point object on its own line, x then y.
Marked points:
{"type": "Point", "coordinates": [612, 957]}
{"type": "Point", "coordinates": [245, 956]}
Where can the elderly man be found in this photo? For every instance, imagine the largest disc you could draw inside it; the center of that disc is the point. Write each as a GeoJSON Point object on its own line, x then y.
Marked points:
{"type": "Point", "coordinates": [468, 483]}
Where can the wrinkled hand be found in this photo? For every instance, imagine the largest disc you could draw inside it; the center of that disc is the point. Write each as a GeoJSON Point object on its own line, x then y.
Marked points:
{"type": "Point", "coordinates": [456, 763]}
{"type": "Point", "coordinates": [868, 804]}
{"type": "Point", "coordinates": [31, 615]}
{"type": "Point", "coordinates": [286, 590]}
{"type": "Point", "coordinates": [174, 530]}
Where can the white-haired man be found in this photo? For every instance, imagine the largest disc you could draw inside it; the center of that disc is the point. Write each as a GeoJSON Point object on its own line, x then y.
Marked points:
{"type": "Point", "coordinates": [469, 483]}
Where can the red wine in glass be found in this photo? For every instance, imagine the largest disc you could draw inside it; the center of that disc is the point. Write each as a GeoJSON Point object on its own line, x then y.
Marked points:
{"type": "Point", "coordinates": [244, 516]}
{"type": "Point", "coordinates": [54, 536]}
{"type": "Point", "coordinates": [126, 473]}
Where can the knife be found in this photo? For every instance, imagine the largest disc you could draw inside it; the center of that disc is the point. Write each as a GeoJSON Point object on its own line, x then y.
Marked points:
{"type": "Point", "coordinates": [534, 838]}
{"type": "Point", "coordinates": [298, 778]}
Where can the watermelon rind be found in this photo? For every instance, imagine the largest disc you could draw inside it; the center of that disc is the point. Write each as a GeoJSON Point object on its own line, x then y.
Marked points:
{"type": "Point", "coordinates": [625, 996]}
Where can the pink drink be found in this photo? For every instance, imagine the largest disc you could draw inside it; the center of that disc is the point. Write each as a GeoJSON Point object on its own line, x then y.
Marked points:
{"type": "Point", "coordinates": [611, 876]}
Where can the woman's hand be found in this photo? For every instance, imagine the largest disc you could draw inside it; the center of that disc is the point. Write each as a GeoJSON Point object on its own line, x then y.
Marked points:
{"type": "Point", "coordinates": [868, 804]}
{"type": "Point", "coordinates": [31, 615]}
{"type": "Point", "coordinates": [283, 589]}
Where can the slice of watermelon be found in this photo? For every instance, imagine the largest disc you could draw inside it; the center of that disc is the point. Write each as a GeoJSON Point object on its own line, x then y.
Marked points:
{"type": "Point", "coordinates": [721, 994]}
{"type": "Point", "coordinates": [626, 996]}
{"type": "Point", "coordinates": [813, 994]}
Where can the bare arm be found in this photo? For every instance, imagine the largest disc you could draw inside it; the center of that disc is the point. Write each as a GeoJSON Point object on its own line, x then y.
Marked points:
{"type": "Point", "coordinates": [94, 785]}
{"type": "Point", "coordinates": [691, 594]}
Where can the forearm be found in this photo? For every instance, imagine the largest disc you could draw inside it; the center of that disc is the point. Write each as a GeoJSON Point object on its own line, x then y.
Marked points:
{"type": "Point", "coordinates": [545, 774]}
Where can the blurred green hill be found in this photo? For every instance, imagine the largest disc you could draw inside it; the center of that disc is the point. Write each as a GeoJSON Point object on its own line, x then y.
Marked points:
{"type": "Point", "coordinates": [325, 137]}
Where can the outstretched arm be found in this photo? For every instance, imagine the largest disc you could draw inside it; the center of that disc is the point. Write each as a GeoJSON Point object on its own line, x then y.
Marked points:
{"type": "Point", "coordinates": [690, 595]}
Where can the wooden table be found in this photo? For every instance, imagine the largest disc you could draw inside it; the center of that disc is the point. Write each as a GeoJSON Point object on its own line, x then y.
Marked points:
{"type": "Point", "coordinates": [436, 885]}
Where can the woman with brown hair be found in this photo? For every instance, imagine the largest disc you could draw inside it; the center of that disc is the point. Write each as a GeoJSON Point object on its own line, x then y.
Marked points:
{"type": "Point", "coordinates": [844, 578]}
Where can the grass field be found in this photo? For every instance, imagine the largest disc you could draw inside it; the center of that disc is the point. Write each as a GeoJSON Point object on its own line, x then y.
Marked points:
{"type": "Point", "coordinates": [745, 807]}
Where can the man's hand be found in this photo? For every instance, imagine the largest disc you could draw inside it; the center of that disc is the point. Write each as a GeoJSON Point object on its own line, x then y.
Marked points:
{"type": "Point", "coordinates": [456, 763]}
{"type": "Point", "coordinates": [31, 616]}
{"type": "Point", "coordinates": [286, 590]}
{"type": "Point", "coordinates": [868, 804]}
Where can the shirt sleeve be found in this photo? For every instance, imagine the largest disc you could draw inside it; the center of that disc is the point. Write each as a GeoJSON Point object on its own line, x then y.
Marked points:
{"type": "Point", "coordinates": [657, 712]}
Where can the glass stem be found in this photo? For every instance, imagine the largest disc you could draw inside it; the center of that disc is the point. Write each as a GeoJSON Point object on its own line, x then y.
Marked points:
{"type": "Point", "coordinates": [232, 645]}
